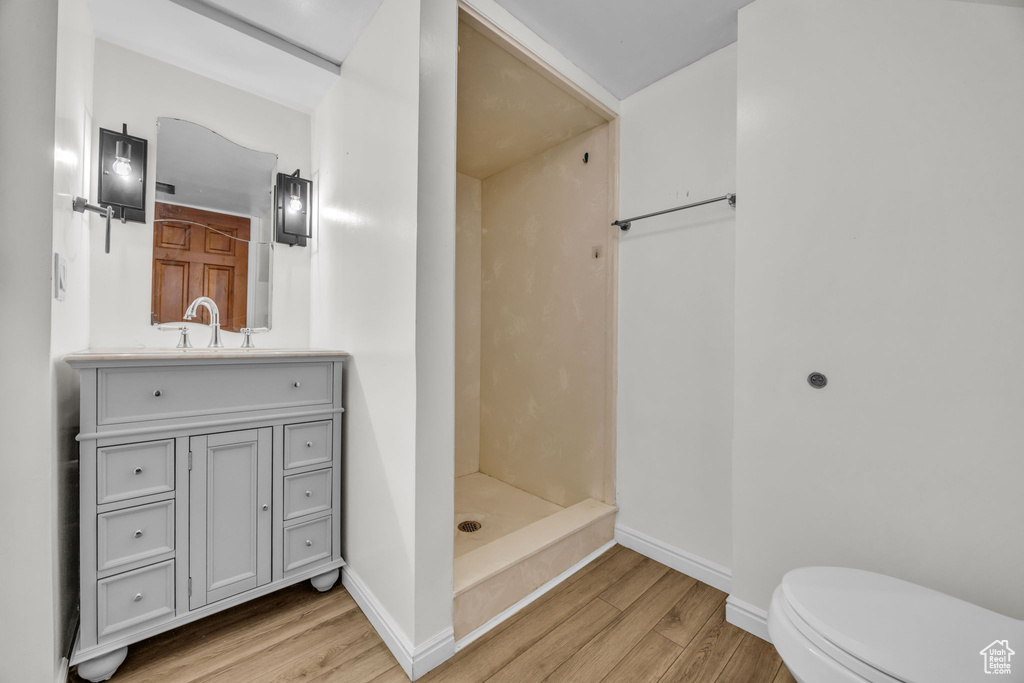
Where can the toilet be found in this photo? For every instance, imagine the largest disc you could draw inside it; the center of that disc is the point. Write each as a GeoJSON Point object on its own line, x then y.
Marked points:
{"type": "Point", "coordinates": [837, 625]}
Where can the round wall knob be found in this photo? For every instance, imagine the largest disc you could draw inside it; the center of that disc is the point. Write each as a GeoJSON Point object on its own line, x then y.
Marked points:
{"type": "Point", "coordinates": [138, 596]}
{"type": "Point", "coordinates": [309, 494]}
{"type": "Point", "coordinates": [138, 470]}
{"type": "Point", "coordinates": [817, 380]}
{"type": "Point", "coordinates": [138, 534]}
{"type": "Point", "coordinates": [309, 543]}
{"type": "Point", "coordinates": [298, 384]}
{"type": "Point", "coordinates": [309, 444]}
{"type": "Point", "coordinates": [157, 393]}
{"type": "Point", "coordinates": [265, 507]}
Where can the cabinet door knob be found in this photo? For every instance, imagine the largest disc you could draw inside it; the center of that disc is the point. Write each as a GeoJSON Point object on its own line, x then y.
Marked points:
{"type": "Point", "coordinates": [309, 444]}
{"type": "Point", "coordinates": [298, 384]}
{"type": "Point", "coordinates": [138, 470]}
{"type": "Point", "coordinates": [309, 543]}
{"type": "Point", "coordinates": [265, 507]}
{"type": "Point", "coordinates": [309, 494]}
{"type": "Point", "coordinates": [138, 596]}
{"type": "Point", "coordinates": [157, 393]}
{"type": "Point", "coordinates": [138, 534]}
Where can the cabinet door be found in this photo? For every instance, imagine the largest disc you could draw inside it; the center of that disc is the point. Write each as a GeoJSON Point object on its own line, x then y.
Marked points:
{"type": "Point", "coordinates": [229, 514]}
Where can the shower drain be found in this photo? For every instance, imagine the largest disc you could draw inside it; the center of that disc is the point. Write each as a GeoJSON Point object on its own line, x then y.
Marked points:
{"type": "Point", "coordinates": [470, 526]}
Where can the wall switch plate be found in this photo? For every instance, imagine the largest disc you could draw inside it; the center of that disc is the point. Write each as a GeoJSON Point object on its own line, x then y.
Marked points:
{"type": "Point", "coordinates": [60, 277]}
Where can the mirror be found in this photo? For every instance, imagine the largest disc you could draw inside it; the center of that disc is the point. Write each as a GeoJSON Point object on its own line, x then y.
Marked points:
{"type": "Point", "coordinates": [212, 226]}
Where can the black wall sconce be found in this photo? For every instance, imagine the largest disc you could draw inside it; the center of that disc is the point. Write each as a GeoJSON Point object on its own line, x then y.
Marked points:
{"type": "Point", "coordinates": [123, 174]}
{"type": "Point", "coordinates": [122, 184]}
{"type": "Point", "coordinates": [293, 223]}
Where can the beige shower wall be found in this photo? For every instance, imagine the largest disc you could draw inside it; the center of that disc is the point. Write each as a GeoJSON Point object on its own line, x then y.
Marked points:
{"type": "Point", "coordinates": [467, 324]}
{"type": "Point", "coordinates": [544, 322]}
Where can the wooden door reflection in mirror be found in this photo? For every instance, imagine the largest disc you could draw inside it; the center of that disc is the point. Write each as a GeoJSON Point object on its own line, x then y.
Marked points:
{"type": "Point", "coordinates": [200, 253]}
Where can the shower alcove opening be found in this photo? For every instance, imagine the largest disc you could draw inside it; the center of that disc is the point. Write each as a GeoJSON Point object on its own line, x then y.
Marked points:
{"type": "Point", "coordinates": [535, 319]}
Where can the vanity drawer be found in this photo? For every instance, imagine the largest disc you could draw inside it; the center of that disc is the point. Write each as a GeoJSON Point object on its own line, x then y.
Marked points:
{"type": "Point", "coordinates": [307, 493]}
{"type": "Point", "coordinates": [136, 599]}
{"type": "Point", "coordinates": [307, 444]}
{"type": "Point", "coordinates": [133, 470]}
{"type": "Point", "coordinates": [134, 534]}
{"type": "Point", "coordinates": [155, 393]}
{"type": "Point", "coordinates": [307, 543]}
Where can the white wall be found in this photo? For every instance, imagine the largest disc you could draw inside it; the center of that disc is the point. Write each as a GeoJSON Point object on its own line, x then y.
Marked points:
{"type": "Point", "coordinates": [122, 280]}
{"type": "Point", "coordinates": [879, 241]}
{"type": "Point", "coordinates": [435, 322]}
{"type": "Point", "coordinates": [69, 319]}
{"type": "Point", "coordinates": [29, 589]}
{"type": "Point", "coordinates": [676, 272]}
{"type": "Point", "coordinates": [365, 149]}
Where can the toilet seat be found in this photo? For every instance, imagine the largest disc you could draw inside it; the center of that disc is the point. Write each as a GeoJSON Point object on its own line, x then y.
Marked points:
{"type": "Point", "coordinates": [813, 661]}
{"type": "Point", "coordinates": [837, 624]}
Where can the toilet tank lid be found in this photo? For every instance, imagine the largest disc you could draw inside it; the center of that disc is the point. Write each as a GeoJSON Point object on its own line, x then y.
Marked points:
{"type": "Point", "coordinates": [910, 632]}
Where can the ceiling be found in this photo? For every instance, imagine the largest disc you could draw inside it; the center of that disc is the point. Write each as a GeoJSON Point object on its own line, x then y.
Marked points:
{"type": "Point", "coordinates": [626, 46]}
{"type": "Point", "coordinates": [507, 112]}
{"type": "Point", "coordinates": [182, 32]}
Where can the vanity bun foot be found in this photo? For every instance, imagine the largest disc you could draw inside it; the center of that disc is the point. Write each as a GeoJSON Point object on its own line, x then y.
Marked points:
{"type": "Point", "coordinates": [324, 582]}
{"type": "Point", "coordinates": [103, 667]}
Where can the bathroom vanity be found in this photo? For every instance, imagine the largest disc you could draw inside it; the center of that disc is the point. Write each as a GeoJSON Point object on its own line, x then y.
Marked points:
{"type": "Point", "coordinates": [208, 477]}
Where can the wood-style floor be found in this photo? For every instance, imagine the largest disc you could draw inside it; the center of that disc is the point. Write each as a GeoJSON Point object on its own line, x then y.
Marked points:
{"type": "Point", "coordinates": [624, 617]}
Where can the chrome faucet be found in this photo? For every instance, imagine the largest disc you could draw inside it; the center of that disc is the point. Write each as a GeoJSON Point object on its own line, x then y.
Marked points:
{"type": "Point", "coordinates": [211, 306]}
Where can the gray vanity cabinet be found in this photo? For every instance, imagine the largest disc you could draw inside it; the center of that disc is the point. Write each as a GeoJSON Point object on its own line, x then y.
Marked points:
{"type": "Point", "coordinates": [230, 496]}
{"type": "Point", "coordinates": [207, 478]}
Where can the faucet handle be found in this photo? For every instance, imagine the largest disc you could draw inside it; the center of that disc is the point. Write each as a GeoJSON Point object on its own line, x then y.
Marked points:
{"type": "Point", "coordinates": [248, 332]}
{"type": "Point", "coordinates": [183, 340]}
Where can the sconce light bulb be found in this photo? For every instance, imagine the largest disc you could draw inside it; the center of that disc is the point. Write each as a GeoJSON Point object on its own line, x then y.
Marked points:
{"type": "Point", "coordinates": [295, 204]}
{"type": "Point", "coordinates": [122, 167]}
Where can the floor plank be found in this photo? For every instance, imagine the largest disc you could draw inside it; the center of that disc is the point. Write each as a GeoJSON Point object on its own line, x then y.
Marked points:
{"type": "Point", "coordinates": [393, 675]}
{"type": "Point", "coordinates": [598, 657]}
{"type": "Point", "coordinates": [754, 661]}
{"type": "Point", "coordinates": [687, 616]}
{"type": "Point", "coordinates": [623, 592]}
{"type": "Point", "coordinates": [646, 662]}
{"type": "Point", "coordinates": [707, 654]}
{"type": "Point", "coordinates": [548, 653]}
{"type": "Point", "coordinates": [480, 661]}
{"type": "Point", "coordinates": [672, 628]}
{"type": "Point", "coordinates": [323, 647]}
{"type": "Point", "coordinates": [366, 666]}
{"type": "Point", "coordinates": [784, 676]}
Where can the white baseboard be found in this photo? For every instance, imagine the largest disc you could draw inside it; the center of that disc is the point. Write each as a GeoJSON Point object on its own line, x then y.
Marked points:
{"type": "Point", "coordinates": [414, 661]}
{"type": "Point", "coordinates": [753, 620]}
{"type": "Point", "coordinates": [62, 672]}
{"type": "Point", "coordinates": [508, 612]}
{"type": "Point", "coordinates": [706, 571]}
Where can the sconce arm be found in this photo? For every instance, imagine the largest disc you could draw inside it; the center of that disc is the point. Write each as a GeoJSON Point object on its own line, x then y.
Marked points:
{"type": "Point", "coordinates": [81, 205]}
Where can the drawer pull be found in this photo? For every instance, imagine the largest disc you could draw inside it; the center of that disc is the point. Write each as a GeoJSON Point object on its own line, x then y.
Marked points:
{"type": "Point", "coordinates": [309, 543]}
{"type": "Point", "coordinates": [138, 534]}
{"type": "Point", "coordinates": [138, 470]}
{"type": "Point", "coordinates": [265, 507]}
{"type": "Point", "coordinates": [157, 393]}
{"type": "Point", "coordinates": [298, 384]}
{"type": "Point", "coordinates": [309, 444]}
{"type": "Point", "coordinates": [309, 494]}
{"type": "Point", "coordinates": [137, 598]}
